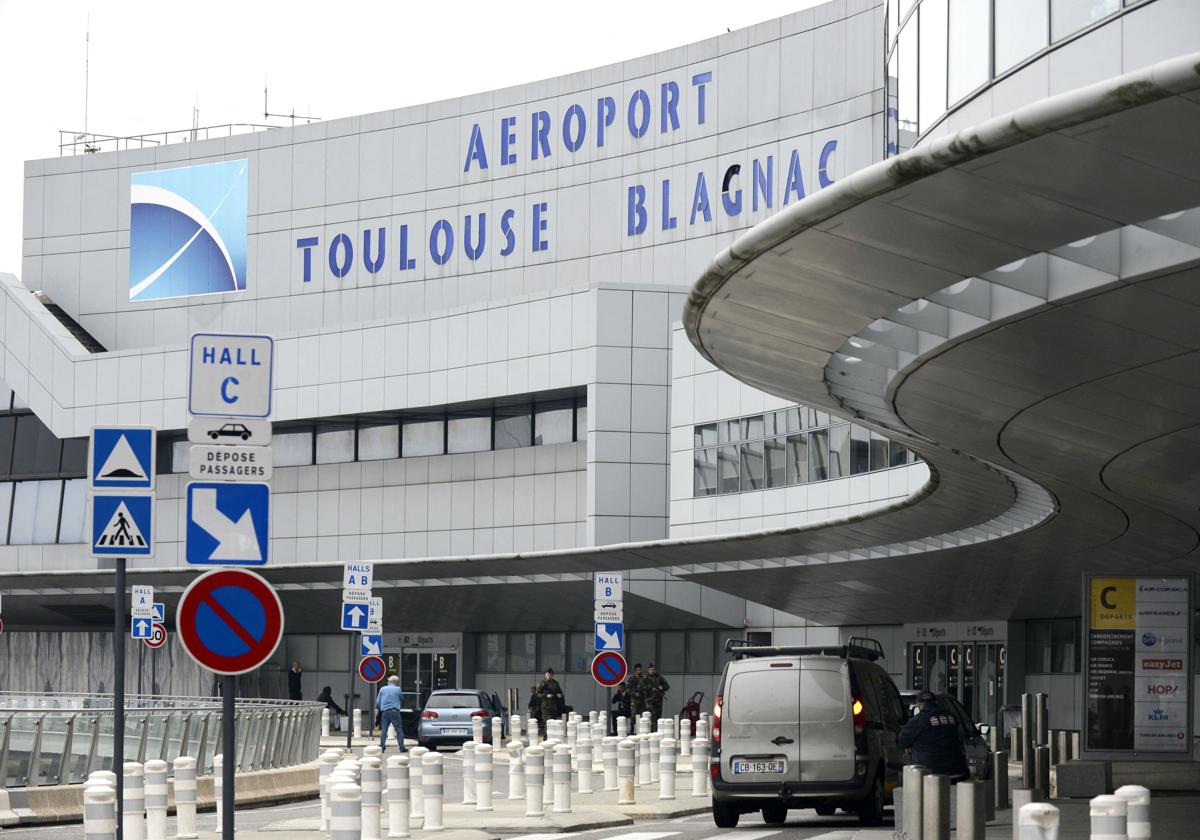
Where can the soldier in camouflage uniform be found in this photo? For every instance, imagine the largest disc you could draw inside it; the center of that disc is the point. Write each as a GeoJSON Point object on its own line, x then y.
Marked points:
{"type": "Point", "coordinates": [654, 689]}
{"type": "Point", "coordinates": [551, 695]}
{"type": "Point", "coordinates": [637, 700]}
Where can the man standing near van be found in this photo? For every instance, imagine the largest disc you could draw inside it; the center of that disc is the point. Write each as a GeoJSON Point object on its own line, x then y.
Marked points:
{"type": "Point", "coordinates": [654, 689]}
{"type": "Point", "coordinates": [932, 734]}
{"type": "Point", "coordinates": [637, 699]}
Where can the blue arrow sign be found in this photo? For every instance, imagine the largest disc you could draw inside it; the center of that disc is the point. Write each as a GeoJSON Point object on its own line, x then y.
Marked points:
{"type": "Point", "coordinates": [227, 524]}
{"type": "Point", "coordinates": [122, 457]}
{"type": "Point", "coordinates": [610, 637]}
{"type": "Point", "coordinates": [354, 616]}
{"type": "Point", "coordinates": [160, 612]}
{"type": "Point", "coordinates": [372, 644]}
{"type": "Point", "coordinates": [141, 628]}
{"type": "Point", "coordinates": [123, 525]}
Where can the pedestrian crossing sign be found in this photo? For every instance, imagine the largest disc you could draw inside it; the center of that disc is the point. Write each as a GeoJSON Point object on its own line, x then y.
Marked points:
{"type": "Point", "coordinates": [123, 525]}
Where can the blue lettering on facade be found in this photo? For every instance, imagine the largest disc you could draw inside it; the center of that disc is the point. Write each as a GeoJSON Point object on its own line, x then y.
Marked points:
{"type": "Point", "coordinates": [574, 139]}
{"type": "Point", "coordinates": [373, 265]}
{"type": "Point", "coordinates": [540, 223]}
{"type": "Point", "coordinates": [636, 218]}
{"type": "Point", "coordinates": [473, 251]}
{"type": "Point", "coordinates": [731, 203]}
{"type": "Point", "coordinates": [823, 164]}
{"type": "Point", "coordinates": [700, 199]}
{"type": "Point", "coordinates": [341, 267]}
{"type": "Point", "coordinates": [475, 150]}
{"type": "Point", "coordinates": [638, 126]}
{"type": "Point", "coordinates": [795, 179]}
{"type": "Point", "coordinates": [510, 238]}
{"type": "Point", "coordinates": [443, 233]}
{"type": "Point", "coordinates": [307, 243]}
{"type": "Point", "coordinates": [606, 113]}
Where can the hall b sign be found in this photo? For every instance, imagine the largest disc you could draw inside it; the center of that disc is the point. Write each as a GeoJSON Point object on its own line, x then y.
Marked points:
{"type": "Point", "coordinates": [1137, 666]}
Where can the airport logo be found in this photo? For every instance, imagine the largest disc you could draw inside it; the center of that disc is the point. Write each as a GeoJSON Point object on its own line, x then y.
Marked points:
{"type": "Point", "coordinates": [187, 231]}
{"type": "Point", "coordinates": [1158, 714]}
{"type": "Point", "coordinates": [1149, 664]}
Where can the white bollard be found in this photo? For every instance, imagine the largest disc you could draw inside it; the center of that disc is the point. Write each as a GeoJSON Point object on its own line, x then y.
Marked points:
{"type": "Point", "coordinates": [99, 812]}
{"type": "Point", "coordinates": [534, 735]}
{"type": "Point", "coordinates": [535, 778]}
{"type": "Point", "coordinates": [1037, 821]}
{"type": "Point", "coordinates": [477, 730]}
{"type": "Point", "coordinates": [373, 750]}
{"type": "Point", "coordinates": [1109, 818]}
{"type": "Point", "coordinates": [622, 727]}
{"type": "Point", "coordinates": [572, 734]}
{"type": "Point", "coordinates": [655, 749]}
{"type": "Point", "coordinates": [516, 771]}
{"type": "Point", "coordinates": [514, 729]}
{"type": "Point", "coordinates": [325, 723]}
{"type": "Point", "coordinates": [548, 788]}
{"type": "Point", "coordinates": [599, 730]}
{"type": "Point", "coordinates": [416, 786]}
{"type": "Point", "coordinates": [593, 717]}
{"type": "Point", "coordinates": [625, 770]}
{"type": "Point", "coordinates": [668, 758]}
{"type": "Point", "coordinates": [935, 809]}
{"type": "Point", "coordinates": [497, 734]}
{"type": "Point", "coordinates": [102, 777]}
{"type": "Point", "coordinates": [468, 771]}
{"type": "Point", "coordinates": [433, 790]}
{"type": "Point", "coordinates": [134, 824]}
{"type": "Point", "coordinates": [608, 748]}
{"type": "Point", "coordinates": [700, 767]}
{"type": "Point", "coordinates": [185, 797]}
{"type": "Point", "coordinates": [702, 729]}
{"type": "Point", "coordinates": [666, 727]}
{"type": "Point", "coordinates": [971, 816]}
{"type": "Point", "coordinates": [483, 776]}
{"type": "Point", "coordinates": [345, 817]}
{"type": "Point", "coordinates": [372, 796]}
{"type": "Point", "coordinates": [156, 799]}
{"type": "Point", "coordinates": [685, 742]}
{"type": "Point", "coordinates": [218, 783]}
{"type": "Point", "coordinates": [642, 744]}
{"type": "Point", "coordinates": [913, 783]}
{"type": "Point", "coordinates": [583, 757]}
{"type": "Point", "coordinates": [562, 779]}
{"type": "Point", "coordinates": [398, 796]}
{"type": "Point", "coordinates": [327, 762]}
{"type": "Point", "coordinates": [1137, 803]}
{"type": "Point", "coordinates": [356, 718]}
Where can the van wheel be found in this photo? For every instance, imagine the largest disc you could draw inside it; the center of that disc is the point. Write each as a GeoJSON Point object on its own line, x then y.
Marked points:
{"type": "Point", "coordinates": [725, 814]}
{"type": "Point", "coordinates": [775, 814]}
{"type": "Point", "coordinates": [870, 807]}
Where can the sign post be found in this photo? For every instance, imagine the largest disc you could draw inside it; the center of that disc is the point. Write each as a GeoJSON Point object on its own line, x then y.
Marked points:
{"type": "Point", "coordinates": [357, 609]}
{"type": "Point", "coordinates": [609, 617]}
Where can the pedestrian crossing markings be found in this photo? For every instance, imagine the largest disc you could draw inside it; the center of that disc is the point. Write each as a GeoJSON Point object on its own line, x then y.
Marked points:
{"type": "Point", "coordinates": [121, 531]}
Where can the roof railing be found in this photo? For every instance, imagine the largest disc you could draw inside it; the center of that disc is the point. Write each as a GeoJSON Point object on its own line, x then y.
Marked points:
{"type": "Point", "coordinates": [88, 143]}
{"type": "Point", "coordinates": [858, 647]}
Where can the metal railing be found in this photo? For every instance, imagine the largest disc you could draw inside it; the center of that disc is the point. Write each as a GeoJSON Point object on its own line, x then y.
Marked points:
{"type": "Point", "coordinates": [52, 739]}
{"type": "Point", "coordinates": [86, 142]}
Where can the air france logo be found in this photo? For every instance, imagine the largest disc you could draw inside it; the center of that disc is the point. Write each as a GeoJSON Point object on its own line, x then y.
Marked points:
{"type": "Point", "coordinates": [187, 231]}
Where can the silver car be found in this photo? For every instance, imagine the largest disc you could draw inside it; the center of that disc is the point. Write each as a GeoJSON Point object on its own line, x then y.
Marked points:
{"type": "Point", "coordinates": [805, 727]}
{"type": "Point", "coordinates": [448, 714]}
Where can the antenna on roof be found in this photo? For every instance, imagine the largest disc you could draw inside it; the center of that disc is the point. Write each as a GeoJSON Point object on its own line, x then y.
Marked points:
{"type": "Point", "coordinates": [292, 116]}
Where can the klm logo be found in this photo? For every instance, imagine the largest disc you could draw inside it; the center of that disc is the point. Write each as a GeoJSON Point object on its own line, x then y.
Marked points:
{"type": "Point", "coordinates": [187, 231]}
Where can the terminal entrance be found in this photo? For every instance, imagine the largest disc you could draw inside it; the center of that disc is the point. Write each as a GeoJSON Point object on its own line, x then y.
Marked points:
{"type": "Point", "coordinates": [422, 672]}
{"type": "Point", "coordinates": [971, 672]}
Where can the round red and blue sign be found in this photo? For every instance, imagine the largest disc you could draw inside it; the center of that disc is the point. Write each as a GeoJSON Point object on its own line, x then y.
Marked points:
{"type": "Point", "coordinates": [372, 669]}
{"type": "Point", "coordinates": [609, 668]}
{"type": "Point", "coordinates": [230, 621]}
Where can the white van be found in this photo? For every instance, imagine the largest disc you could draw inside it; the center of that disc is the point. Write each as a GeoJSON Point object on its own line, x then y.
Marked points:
{"type": "Point", "coordinates": [805, 727]}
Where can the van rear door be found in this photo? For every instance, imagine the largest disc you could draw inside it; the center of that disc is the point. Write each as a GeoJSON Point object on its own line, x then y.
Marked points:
{"type": "Point", "coordinates": [826, 722]}
{"type": "Point", "coordinates": [760, 736]}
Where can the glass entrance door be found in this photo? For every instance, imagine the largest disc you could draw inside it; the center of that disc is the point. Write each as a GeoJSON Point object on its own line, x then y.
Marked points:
{"type": "Point", "coordinates": [424, 671]}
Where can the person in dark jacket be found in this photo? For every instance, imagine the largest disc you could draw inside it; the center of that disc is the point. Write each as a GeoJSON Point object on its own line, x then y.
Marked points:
{"type": "Point", "coordinates": [933, 736]}
{"type": "Point", "coordinates": [620, 699]}
{"type": "Point", "coordinates": [336, 712]}
{"type": "Point", "coordinates": [535, 709]}
{"type": "Point", "coordinates": [294, 692]}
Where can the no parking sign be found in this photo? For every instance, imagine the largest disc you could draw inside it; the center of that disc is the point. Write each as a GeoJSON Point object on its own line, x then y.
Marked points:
{"type": "Point", "coordinates": [230, 621]}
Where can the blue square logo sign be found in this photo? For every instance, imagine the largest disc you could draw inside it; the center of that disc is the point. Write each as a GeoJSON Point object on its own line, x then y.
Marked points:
{"type": "Point", "coordinates": [227, 524]}
{"type": "Point", "coordinates": [122, 457]}
{"type": "Point", "coordinates": [123, 525]}
{"type": "Point", "coordinates": [187, 230]}
{"type": "Point", "coordinates": [610, 637]}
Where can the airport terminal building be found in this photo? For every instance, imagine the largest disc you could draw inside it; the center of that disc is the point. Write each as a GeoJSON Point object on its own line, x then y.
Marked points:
{"type": "Point", "coordinates": [694, 317]}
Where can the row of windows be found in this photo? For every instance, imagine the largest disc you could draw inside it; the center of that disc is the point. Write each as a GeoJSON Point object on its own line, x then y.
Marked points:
{"type": "Point", "coordinates": [940, 51]}
{"type": "Point", "coordinates": [28, 449]}
{"type": "Point", "coordinates": [834, 451]}
{"type": "Point", "coordinates": [495, 427]}
{"type": "Point", "coordinates": [673, 651]}
{"type": "Point", "coordinates": [42, 512]}
{"type": "Point", "coordinates": [1052, 646]}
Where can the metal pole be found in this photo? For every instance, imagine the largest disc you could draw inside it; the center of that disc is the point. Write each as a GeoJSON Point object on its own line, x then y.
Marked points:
{"type": "Point", "coordinates": [229, 751]}
{"type": "Point", "coordinates": [119, 690]}
{"type": "Point", "coordinates": [141, 668]}
{"type": "Point", "coordinates": [350, 697]}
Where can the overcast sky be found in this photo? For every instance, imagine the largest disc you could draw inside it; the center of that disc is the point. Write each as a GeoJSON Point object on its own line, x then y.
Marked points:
{"type": "Point", "coordinates": [152, 62]}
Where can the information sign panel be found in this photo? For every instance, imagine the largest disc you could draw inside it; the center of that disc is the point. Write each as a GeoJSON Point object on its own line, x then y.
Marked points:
{"type": "Point", "coordinates": [609, 586]}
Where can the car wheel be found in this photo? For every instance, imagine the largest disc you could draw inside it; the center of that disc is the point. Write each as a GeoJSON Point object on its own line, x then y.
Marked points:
{"type": "Point", "coordinates": [725, 814]}
{"type": "Point", "coordinates": [212, 435]}
{"type": "Point", "coordinates": [775, 814]}
{"type": "Point", "coordinates": [245, 435]}
{"type": "Point", "coordinates": [826, 810]}
{"type": "Point", "coordinates": [870, 807]}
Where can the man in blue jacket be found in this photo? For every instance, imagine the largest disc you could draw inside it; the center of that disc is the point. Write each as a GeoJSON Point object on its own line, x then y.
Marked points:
{"type": "Point", "coordinates": [389, 702]}
{"type": "Point", "coordinates": [933, 736]}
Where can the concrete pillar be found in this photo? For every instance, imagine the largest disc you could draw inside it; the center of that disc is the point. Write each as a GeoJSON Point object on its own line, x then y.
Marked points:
{"type": "Point", "coordinates": [625, 772]}
{"type": "Point", "coordinates": [562, 779]}
{"type": "Point", "coordinates": [583, 759]}
{"type": "Point", "coordinates": [535, 779]}
{"type": "Point", "coordinates": [1037, 821]}
{"type": "Point", "coordinates": [534, 735]}
{"type": "Point", "coordinates": [685, 742]}
{"type": "Point", "coordinates": [1020, 798]}
{"type": "Point", "coordinates": [99, 812]}
{"type": "Point", "coordinates": [1137, 808]}
{"type": "Point", "coordinates": [643, 758]}
{"type": "Point", "coordinates": [416, 783]}
{"type": "Point", "coordinates": [1000, 780]}
{"type": "Point", "coordinates": [134, 825]}
{"type": "Point", "coordinates": [935, 808]}
{"type": "Point", "coordinates": [373, 750]}
{"type": "Point", "coordinates": [572, 734]}
{"type": "Point", "coordinates": [1063, 743]}
{"type": "Point", "coordinates": [483, 777]}
{"type": "Point", "coordinates": [914, 797]}
{"type": "Point", "coordinates": [345, 818]}
{"type": "Point", "coordinates": [468, 771]}
{"type": "Point", "coordinates": [548, 787]}
{"type": "Point", "coordinates": [185, 797]}
{"type": "Point", "coordinates": [432, 790]}
{"type": "Point", "coordinates": [622, 727]}
{"type": "Point", "coordinates": [608, 748]}
{"type": "Point", "coordinates": [1041, 770]}
{"type": "Point", "coordinates": [516, 770]}
{"type": "Point", "coordinates": [497, 733]}
{"type": "Point", "coordinates": [325, 723]}
{"type": "Point", "coordinates": [1074, 745]}
{"type": "Point", "coordinates": [655, 748]}
{"type": "Point", "coordinates": [477, 729]}
{"type": "Point", "coordinates": [156, 799]}
{"type": "Point", "coordinates": [668, 752]}
{"type": "Point", "coordinates": [1017, 743]}
{"type": "Point", "coordinates": [356, 722]}
{"type": "Point", "coordinates": [326, 763]}
{"type": "Point", "coordinates": [702, 728]}
{"type": "Point", "coordinates": [514, 729]}
{"type": "Point", "coordinates": [398, 795]}
{"type": "Point", "coordinates": [971, 810]}
{"type": "Point", "coordinates": [1110, 818]}
{"type": "Point", "coordinates": [700, 767]}
{"type": "Point", "coordinates": [372, 796]}
{"type": "Point", "coordinates": [1041, 718]}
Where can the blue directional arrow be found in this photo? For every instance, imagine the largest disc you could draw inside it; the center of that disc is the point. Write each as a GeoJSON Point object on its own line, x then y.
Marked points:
{"type": "Point", "coordinates": [354, 616]}
{"type": "Point", "coordinates": [610, 636]}
{"type": "Point", "coordinates": [372, 644]}
{"type": "Point", "coordinates": [141, 628]}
